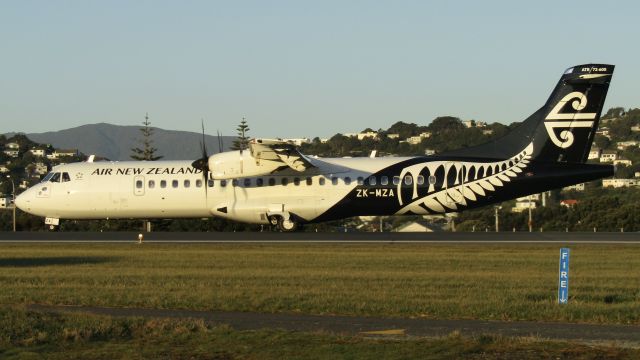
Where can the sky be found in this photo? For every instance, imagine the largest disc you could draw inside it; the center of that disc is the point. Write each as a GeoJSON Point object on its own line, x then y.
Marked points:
{"type": "Point", "coordinates": [300, 68]}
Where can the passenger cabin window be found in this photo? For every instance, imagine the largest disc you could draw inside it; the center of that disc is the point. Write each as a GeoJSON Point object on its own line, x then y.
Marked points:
{"type": "Point", "coordinates": [408, 180]}
{"type": "Point", "coordinates": [259, 181]}
{"type": "Point", "coordinates": [347, 180]}
{"type": "Point", "coordinates": [384, 180]}
{"type": "Point", "coordinates": [360, 180]}
{"type": "Point", "coordinates": [296, 181]}
{"type": "Point", "coordinates": [420, 180]}
{"type": "Point", "coordinates": [187, 183]}
{"type": "Point", "coordinates": [396, 180]}
{"type": "Point", "coordinates": [321, 181]}
{"type": "Point", "coordinates": [163, 183]}
{"type": "Point", "coordinates": [272, 181]}
{"type": "Point", "coordinates": [247, 182]}
{"type": "Point", "coordinates": [152, 184]}
{"type": "Point", "coordinates": [334, 181]}
{"type": "Point", "coordinates": [138, 184]}
{"type": "Point", "coordinates": [210, 183]}
{"type": "Point", "coordinates": [65, 177]}
{"type": "Point", "coordinates": [285, 181]}
{"type": "Point", "coordinates": [198, 183]}
{"type": "Point", "coordinates": [432, 180]}
{"type": "Point", "coordinates": [234, 182]}
{"type": "Point", "coordinates": [372, 180]}
{"type": "Point", "coordinates": [309, 181]}
{"type": "Point", "coordinates": [175, 183]}
{"type": "Point", "coordinates": [223, 183]}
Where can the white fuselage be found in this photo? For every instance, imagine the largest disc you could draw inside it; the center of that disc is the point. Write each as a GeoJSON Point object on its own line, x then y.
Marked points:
{"type": "Point", "coordinates": [174, 189]}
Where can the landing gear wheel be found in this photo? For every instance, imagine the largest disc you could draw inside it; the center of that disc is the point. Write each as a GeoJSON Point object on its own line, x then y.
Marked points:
{"type": "Point", "coordinates": [274, 220]}
{"type": "Point", "coordinates": [287, 225]}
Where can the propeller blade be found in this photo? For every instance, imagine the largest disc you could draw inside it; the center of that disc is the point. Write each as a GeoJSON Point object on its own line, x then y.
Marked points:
{"type": "Point", "coordinates": [203, 163]}
{"type": "Point", "coordinates": [219, 141]}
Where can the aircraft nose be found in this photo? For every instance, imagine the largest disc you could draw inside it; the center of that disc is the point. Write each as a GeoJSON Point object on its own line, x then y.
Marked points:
{"type": "Point", "coordinates": [22, 201]}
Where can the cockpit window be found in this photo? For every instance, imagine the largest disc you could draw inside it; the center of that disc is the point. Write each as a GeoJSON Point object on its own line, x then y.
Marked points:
{"type": "Point", "coordinates": [48, 177]}
{"type": "Point", "coordinates": [55, 177]}
{"type": "Point", "coordinates": [65, 177]}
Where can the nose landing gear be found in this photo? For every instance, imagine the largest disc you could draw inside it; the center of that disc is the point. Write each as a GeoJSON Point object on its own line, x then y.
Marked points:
{"type": "Point", "coordinates": [285, 222]}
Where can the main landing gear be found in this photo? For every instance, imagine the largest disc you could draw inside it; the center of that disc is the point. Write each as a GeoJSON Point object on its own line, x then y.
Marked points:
{"type": "Point", "coordinates": [285, 222]}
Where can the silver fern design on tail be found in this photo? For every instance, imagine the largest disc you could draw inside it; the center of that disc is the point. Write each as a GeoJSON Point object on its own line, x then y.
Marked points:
{"type": "Point", "coordinates": [451, 184]}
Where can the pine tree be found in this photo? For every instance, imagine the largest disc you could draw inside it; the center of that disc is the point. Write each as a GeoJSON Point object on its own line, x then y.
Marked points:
{"type": "Point", "coordinates": [242, 142]}
{"type": "Point", "coordinates": [147, 152]}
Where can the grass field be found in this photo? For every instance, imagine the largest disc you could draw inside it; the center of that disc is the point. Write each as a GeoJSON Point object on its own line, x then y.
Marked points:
{"type": "Point", "coordinates": [500, 282]}
{"type": "Point", "coordinates": [505, 282]}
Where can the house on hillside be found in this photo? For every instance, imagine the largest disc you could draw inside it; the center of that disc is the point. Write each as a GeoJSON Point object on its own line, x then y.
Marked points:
{"type": "Point", "coordinates": [604, 131]}
{"type": "Point", "coordinates": [569, 203]}
{"type": "Point", "coordinates": [618, 183]}
{"type": "Point", "coordinates": [576, 187]}
{"type": "Point", "coordinates": [523, 206]}
{"type": "Point", "coordinates": [393, 136]}
{"type": "Point", "coordinates": [12, 153]}
{"type": "Point", "coordinates": [62, 153]}
{"type": "Point", "coordinates": [594, 153]}
{"type": "Point", "coordinates": [429, 152]}
{"type": "Point", "coordinates": [40, 168]}
{"type": "Point", "coordinates": [623, 162]}
{"type": "Point", "coordinates": [37, 152]}
{"type": "Point", "coordinates": [12, 146]}
{"type": "Point", "coordinates": [368, 134]}
{"type": "Point", "coordinates": [532, 197]}
{"type": "Point", "coordinates": [473, 123]}
{"type": "Point", "coordinates": [4, 169]}
{"type": "Point", "coordinates": [608, 156]}
{"type": "Point", "coordinates": [621, 145]}
{"type": "Point", "coordinates": [5, 202]}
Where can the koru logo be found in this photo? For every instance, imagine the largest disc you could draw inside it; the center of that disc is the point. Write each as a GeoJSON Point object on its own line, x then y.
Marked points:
{"type": "Point", "coordinates": [557, 120]}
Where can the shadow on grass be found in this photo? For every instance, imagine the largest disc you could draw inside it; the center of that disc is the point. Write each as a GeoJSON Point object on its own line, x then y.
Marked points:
{"type": "Point", "coordinates": [50, 261]}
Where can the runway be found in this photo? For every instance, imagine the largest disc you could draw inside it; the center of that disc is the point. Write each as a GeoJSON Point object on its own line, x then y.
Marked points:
{"type": "Point", "coordinates": [622, 335]}
{"type": "Point", "coordinates": [313, 237]}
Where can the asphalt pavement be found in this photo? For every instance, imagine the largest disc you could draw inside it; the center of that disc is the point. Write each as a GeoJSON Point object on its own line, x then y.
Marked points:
{"type": "Point", "coordinates": [621, 335]}
{"type": "Point", "coordinates": [336, 237]}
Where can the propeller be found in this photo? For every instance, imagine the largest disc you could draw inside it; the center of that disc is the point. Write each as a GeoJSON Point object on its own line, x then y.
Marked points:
{"type": "Point", "coordinates": [203, 163]}
{"type": "Point", "coordinates": [219, 142]}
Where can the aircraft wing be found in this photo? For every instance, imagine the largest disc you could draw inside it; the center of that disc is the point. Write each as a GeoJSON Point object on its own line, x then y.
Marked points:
{"type": "Point", "coordinates": [279, 151]}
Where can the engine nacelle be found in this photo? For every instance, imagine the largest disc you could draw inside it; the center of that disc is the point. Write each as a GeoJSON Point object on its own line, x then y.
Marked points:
{"type": "Point", "coordinates": [233, 164]}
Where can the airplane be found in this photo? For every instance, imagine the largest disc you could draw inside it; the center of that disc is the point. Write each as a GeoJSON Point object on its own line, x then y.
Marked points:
{"type": "Point", "coordinates": [272, 182]}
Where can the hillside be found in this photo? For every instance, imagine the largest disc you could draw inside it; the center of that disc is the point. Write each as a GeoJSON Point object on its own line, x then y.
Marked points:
{"type": "Point", "coordinates": [115, 142]}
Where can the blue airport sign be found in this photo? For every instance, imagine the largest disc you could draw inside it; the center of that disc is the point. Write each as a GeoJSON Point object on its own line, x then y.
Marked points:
{"type": "Point", "coordinates": [563, 277]}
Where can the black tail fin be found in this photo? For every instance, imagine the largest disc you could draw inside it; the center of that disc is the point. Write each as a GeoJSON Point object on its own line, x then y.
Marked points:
{"type": "Point", "coordinates": [563, 129]}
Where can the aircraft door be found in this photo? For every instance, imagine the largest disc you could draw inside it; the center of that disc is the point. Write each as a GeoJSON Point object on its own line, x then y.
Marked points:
{"type": "Point", "coordinates": [138, 185]}
{"type": "Point", "coordinates": [454, 179]}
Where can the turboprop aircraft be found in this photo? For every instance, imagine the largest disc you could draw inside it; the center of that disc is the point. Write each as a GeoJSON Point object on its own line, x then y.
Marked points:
{"type": "Point", "coordinates": [272, 182]}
